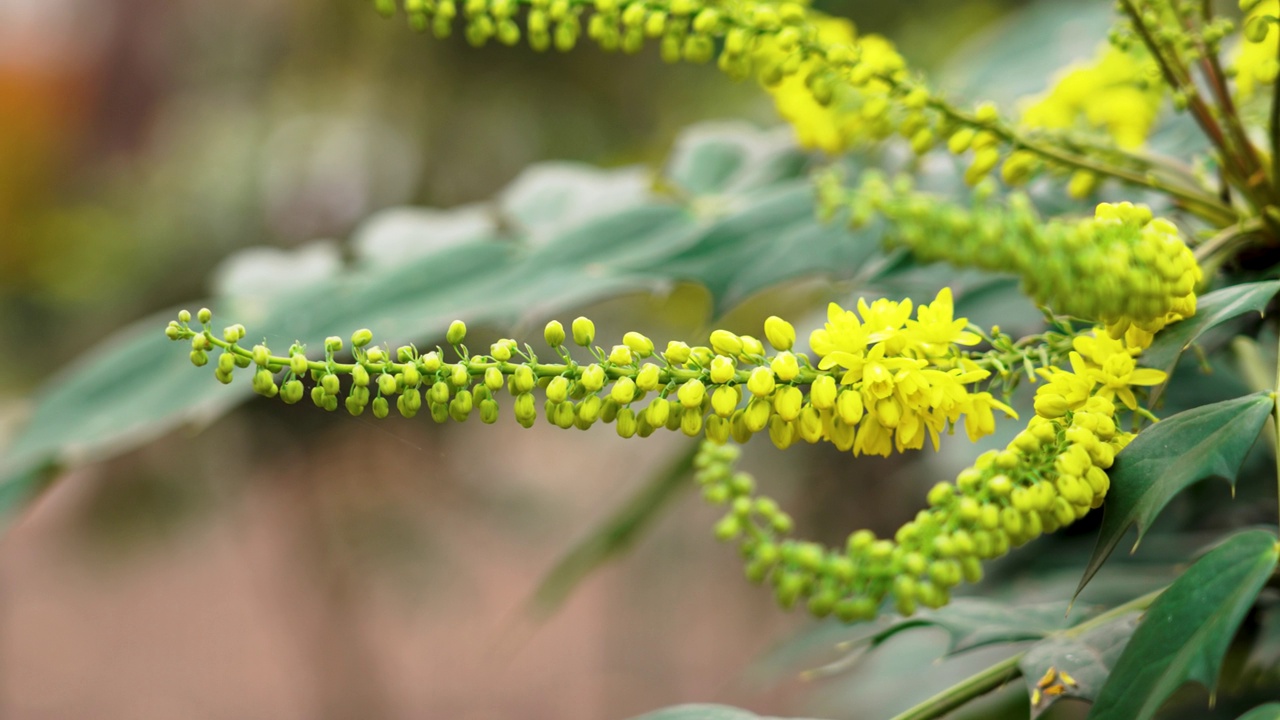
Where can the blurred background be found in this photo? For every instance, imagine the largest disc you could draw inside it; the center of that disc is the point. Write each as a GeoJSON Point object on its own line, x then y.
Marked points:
{"type": "Point", "coordinates": [281, 563]}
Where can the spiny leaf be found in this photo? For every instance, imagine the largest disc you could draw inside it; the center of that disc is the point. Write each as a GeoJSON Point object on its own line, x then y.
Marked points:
{"type": "Point", "coordinates": [1212, 310]}
{"type": "Point", "coordinates": [1086, 659]}
{"type": "Point", "coordinates": [974, 622]}
{"type": "Point", "coordinates": [702, 712]}
{"type": "Point", "coordinates": [1204, 442]}
{"type": "Point", "coordinates": [1185, 633]}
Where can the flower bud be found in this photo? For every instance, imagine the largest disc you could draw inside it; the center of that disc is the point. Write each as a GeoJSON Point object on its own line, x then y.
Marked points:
{"type": "Point", "coordinates": [677, 353]}
{"type": "Point", "coordinates": [205, 316]}
{"type": "Point", "coordinates": [658, 412]}
{"type": "Point", "coordinates": [725, 342]}
{"type": "Point", "coordinates": [624, 390]}
{"type": "Point", "coordinates": [199, 358]}
{"type": "Point", "coordinates": [722, 369]}
{"type": "Point", "coordinates": [787, 403]}
{"type": "Point", "coordinates": [558, 389]}
{"type": "Point", "coordinates": [620, 355]}
{"type": "Point", "coordinates": [553, 333]}
{"type": "Point", "coordinates": [626, 423]}
{"type": "Point", "coordinates": [330, 384]}
{"type": "Point", "coordinates": [724, 400]}
{"type": "Point", "coordinates": [649, 378]}
{"type": "Point", "coordinates": [691, 394]}
{"type": "Point", "coordinates": [333, 344]}
{"type": "Point", "coordinates": [459, 375]}
{"type": "Point", "coordinates": [584, 331]}
{"type": "Point", "coordinates": [823, 392]}
{"type": "Point", "coordinates": [457, 332]}
{"type": "Point", "coordinates": [640, 345]}
{"type": "Point", "coordinates": [756, 417]}
{"type": "Point", "coordinates": [761, 382]}
{"type": "Point", "coordinates": [779, 333]}
{"type": "Point", "coordinates": [784, 365]}
{"type": "Point", "coordinates": [500, 351]}
{"type": "Point", "coordinates": [461, 405]}
{"type": "Point", "coordinates": [691, 422]}
{"type": "Point", "coordinates": [298, 364]}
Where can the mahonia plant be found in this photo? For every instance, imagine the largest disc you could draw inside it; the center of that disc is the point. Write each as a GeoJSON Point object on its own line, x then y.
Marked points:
{"type": "Point", "coordinates": [887, 375]}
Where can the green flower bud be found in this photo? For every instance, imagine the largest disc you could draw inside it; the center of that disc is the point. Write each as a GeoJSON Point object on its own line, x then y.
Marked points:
{"type": "Point", "coordinates": [330, 403]}
{"type": "Point", "coordinates": [361, 337]}
{"type": "Point", "coordinates": [205, 316]}
{"type": "Point", "coordinates": [439, 412]}
{"type": "Point", "coordinates": [380, 407]}
{"type": "Point", "coordinates": [359, 376]}
{"type": "Point", "coordinates": [200, 341]}
{"type": "Point", "coordinates": [488, 412]}
{"type": "Point", "coordinates": [493, 379]}
{"type": "Point", "coordinates": [553, 333]}
{"type": "Point", "coordinates": [226, 363]}
{"type": "Point", "coordinates": [333, 344]}
{"type": "Point", "coordinates": [439, 392]}
{"type": "Point", "coordinates": [231, 334]}
{"type": "Point", "coordinates": [584, 331]}
{"type": "Point", "coordinates": [525, 409]}
{"type": "Point", "coordinates": [459, 375]}
{"type": "Point", "coordinates": [558, 390]}
{"type": "Point", "coordinates": [354, 407]}
{"type": "Point", "coordinates": [387, 384]}
{"type": "Point", "coordinates": [199, 358]}
{"type": "Point", "coordinates": [779, 333]}
{"type": "Point", "coordinates": [330, 384]}
{"type": "Point", "coordinates": [298, 364]}
{"type": "Point", "coordinates": [500, 351]}
{"type": "Point", "coordinates": [461, 405]}
{"type": "Point", "coordinates": [457, 332]}
{"type": "Point", "coordinates": [318, 395]}
{"type": "Point", "coordinates": [589, 409]}
{"type": "Point", "coordinates": [412, 378]}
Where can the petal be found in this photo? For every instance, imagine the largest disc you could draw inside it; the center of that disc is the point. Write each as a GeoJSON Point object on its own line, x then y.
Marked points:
{"type": "Point", "coordinates": [1147, 376]}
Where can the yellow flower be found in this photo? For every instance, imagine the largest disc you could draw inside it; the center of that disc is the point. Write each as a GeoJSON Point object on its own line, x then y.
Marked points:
{"type": "Point", "coordinates": [936, 330]}
{"type": "Point", "coordinates": [979, 421]}
{"type": "Point", "coordinates": [1118, 373]}
{"type": "Point", "coordinates": [1112, 93]}
{"type": "Point", "coordinates": [1256, 64]}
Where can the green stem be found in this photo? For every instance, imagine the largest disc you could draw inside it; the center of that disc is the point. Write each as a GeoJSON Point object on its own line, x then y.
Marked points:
{"type": "Point", "coordinates": [992, 678]}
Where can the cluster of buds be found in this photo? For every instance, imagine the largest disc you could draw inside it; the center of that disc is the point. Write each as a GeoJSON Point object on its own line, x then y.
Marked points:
{"type": "Point", "coordinates": [1121, 266]}
{"type": "Point", "coordinates": [1049, 476]}
{"type": "Point", "coordinates": [880, 379]}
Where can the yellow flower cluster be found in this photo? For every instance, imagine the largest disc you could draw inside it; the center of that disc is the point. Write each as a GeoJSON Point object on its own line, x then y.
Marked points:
{"type": "Point", "coordinates": [883, 379]}
{"type": "Point", "coordinates": [1258, 60]}
{"type": "Point", "coordinates": [907, 373]}
{"type": "Point", "coordinates": [1119, 92]}
{"type": "Point", "coordinates": [1050, 475]}
{"type": "Point", "coordinates": [826, 114]}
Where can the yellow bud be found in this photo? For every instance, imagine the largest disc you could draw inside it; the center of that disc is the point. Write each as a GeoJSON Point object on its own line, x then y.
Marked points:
{"type": "Point", "coordinates": [761, 382]}
{"type": "Point", "coordinates": [640, 345]}
{"type": "Point", "coordinates": [593, 378]}
{"type": "Point", "coordinates": [648, 378]}
{"type": "Point", "coordinates": [620, 355]}
{"type": "Point", "coordinates": [724, 401]}
{"type": "Point", "coordinates": [726, 343]}
{"type": "Point", "coordinates": [553, 333]}
{"type": "Point", "coordinates": [523, 380]}
{"type": "Point", "coordinates": [787, 403]}
{"type": "Point", "coordinates": [784, 365]}
{"type": "Point", "coordinates": [457, 332]}
{"type": "Point", "coordinates": [677, 353]}
{"type": "Point", "coordinates": [493, 379]}
{"type": "Point", "coordinates": [624, 390]}
{"type": "Point", "coordinates": [658, 412]}
{"type": "Point", "coordinates": [849, 406]}
{"type": "Point", "coordinates": [722, 369]}
{"type": "Point", "coordinates": [691, 423]}
{"type": "Point", "coordinates": [584, 331]}
{"type": "Point", "coordinates": [756, 417]}
{"type": "Point", "coordinates": [691, 394]}
{"type": "Point", "coordinates": [823, 392]}
{"type": "Point", "coordinates": [558, 390]}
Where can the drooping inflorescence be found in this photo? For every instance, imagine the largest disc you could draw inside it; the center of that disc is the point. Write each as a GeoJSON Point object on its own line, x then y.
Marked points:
{"type": "Point", "coordinates": [879, 379]}
{"type": "Point", "coordinates": [1050, 475]}
{"type": "Point", "coordinates": [1121, 266]}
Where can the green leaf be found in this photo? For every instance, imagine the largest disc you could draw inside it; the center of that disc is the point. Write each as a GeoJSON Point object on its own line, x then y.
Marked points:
{"type": "Point", "coordinates": [702, 712]}
{"type": "Point", "coordinates": [1270, 711]}
{"type": "Point", "coordinates": [1205, 442]}
{"type": "Point", "coordinates": [1186, 631]}
{"type": "Point", "coordinates": [1212, 310]}
{"type": "Point", "coordinates": [975, 622]}
{"type": "Point", "coordinates": [1087, 659]}
{"type": "Point", "coordinates": [613, 536]}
